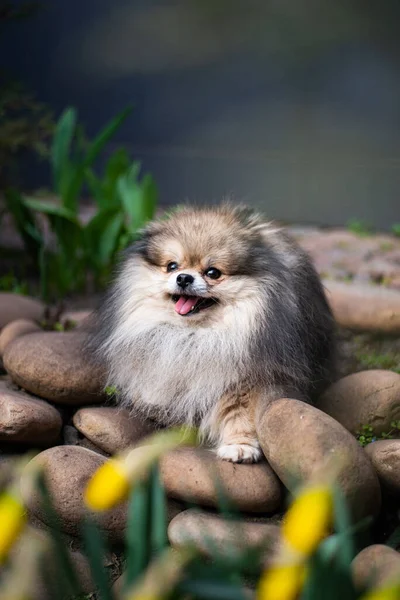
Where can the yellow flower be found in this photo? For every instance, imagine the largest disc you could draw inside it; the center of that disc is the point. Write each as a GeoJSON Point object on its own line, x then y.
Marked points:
{"type": "Point", "coordinates": [281, 582]}
{"type": "Point", "coordinates": [390, 593]}
{"type": "Point", "coordinates": [108, 486]}
{"type": "Point", "coordinates": [112, 481]}
{"type": "Point", "coordinates": [12, 521]}
{"type": "Point", "coordinates": [309, 519]}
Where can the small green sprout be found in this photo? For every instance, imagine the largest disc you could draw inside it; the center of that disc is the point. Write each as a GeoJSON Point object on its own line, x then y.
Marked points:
{"type": "Point", "coordinates": [389, 360]}
{"type": "Point", "coordinates": [9, 283]}
{"type": "Point", "coordinates": [112, 391]}
{"type": "Point", "coordinates": [366, 434]}
{"type": "Point", "coordinates": [358, 227]}
{"type": "Point", "coordinates": [396, 229]}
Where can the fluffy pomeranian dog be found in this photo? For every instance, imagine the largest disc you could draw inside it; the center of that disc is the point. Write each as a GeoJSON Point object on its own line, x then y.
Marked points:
{"type": "Point", "coordinates": [213, 314]}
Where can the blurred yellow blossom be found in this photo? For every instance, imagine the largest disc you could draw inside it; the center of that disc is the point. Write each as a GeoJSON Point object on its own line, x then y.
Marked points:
{"type": "Point", "coordinates": [387, 593]}
{"type": "Point", "coordinates": [281, 582]}
{"type": "Point", "coordinates": [112, 481]}
{"type": "Point", "coordinates": [309, 519]}
{"type": "Point", "coordinates": [108, 486]}
{"type": "Point", "coordinates": [12, 521]}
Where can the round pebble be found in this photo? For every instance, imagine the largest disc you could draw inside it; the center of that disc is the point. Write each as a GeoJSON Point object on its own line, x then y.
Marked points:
{"type": "Point", "coordinates": [364, 398]}
{"type": "Point", "coordinates": [67, 472]}
{"type": "Point", "coordinates": [15, 306]}
{"type": "Point", "coordinates": [26, 419]}
{"type": "Point", "coordinates": [14, 330]}
{"type": "Point", "coordinates": [364, 307]}
{"type": "Point", "coordinates": [385, 457]}
{"type": "Point", "coordinates": [111, 429]}
{"type": "Point", "coordinates": [297, 440]}
{"type": "Point", "coordinates": [209, 532]}
{"type": "Point", "coordinates": [52, 365]}
{"type": "Point", "coordinates": [189, 474]}
{"type": "Point", "coordinates": [375, 566]}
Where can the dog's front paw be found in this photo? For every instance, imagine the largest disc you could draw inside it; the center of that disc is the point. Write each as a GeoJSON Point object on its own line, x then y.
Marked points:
{"type": "Point", "coordinates": [239, 453]}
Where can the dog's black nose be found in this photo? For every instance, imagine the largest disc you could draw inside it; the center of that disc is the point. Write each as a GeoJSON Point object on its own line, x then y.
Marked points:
{"type": "Point", "coordinates": [183, 280]}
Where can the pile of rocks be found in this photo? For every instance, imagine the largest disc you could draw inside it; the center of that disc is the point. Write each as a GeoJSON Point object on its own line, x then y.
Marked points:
{"type": "Point", "coordinates": [52, 399]}
{"type": "Point", "coordinates": [360, 258]}
{"type": "Point", "coordinates": [361, 274]}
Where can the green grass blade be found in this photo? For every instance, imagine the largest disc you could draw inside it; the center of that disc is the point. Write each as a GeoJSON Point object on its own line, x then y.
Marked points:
{"type": "Point", "coordinates": [104, 136]}
{"type": "Point", "coordinates": [343, 525]}
{"type": "Point", "coordinates": [137, 539]}
{"type": "Point", "coordinates": [329, 580]}
{"type": "Point", "coordinates": [62, 558]}
{"type": "Point", "coordinates": [96, 551]}
{"type": "Point", "coordinates": [210, 590]}
{"type": "Point", "coordinates": [158, 520]}
{"type": "Point", "coordinates": [61, 148]}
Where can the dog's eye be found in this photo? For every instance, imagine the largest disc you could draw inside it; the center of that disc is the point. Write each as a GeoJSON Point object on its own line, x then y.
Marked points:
{"type": "Point", "coordinates": [172, 266]}
{"type": "Point", "coordinates": [213, 273]}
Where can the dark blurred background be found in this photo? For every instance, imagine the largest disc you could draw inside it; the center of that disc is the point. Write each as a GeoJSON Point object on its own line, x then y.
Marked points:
{"type": "Point", "coordinates": [290, 105]}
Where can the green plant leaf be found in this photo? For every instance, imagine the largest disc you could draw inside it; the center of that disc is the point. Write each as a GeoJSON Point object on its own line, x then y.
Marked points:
{"type": "Point", "coordinates": [139, 199]}
{"type": "Point", "coordinates": [69, 172]}
{"type": "Point", "coordinates": [343, 528]}
{"type": "Point", "coordinates": [131, 196]}
{"type": "Point", "coordinates": [124, 240]}
{"type": "Point", "coordinates": [150, 197]}
{"type": "Point", "coordinates": [101, 236]}
{"type": "Point", "coordinates": [158, 520]}
{"type": "Point", "coordinates": [118, 164]}
{"type": "Point", "coordinates": [335, 581]}
{"type": "Point", "coordinates": [104, 136]}
{"type": "Point", "coordinates": [137, 539]}
{"type": "Point", "coordinates": [24, 221]}
{"type": "Point", "coordinates": [61, 149]}
{"type": "Point", "coordinates": [210, 590]}
{"type": "Point", "coordinates": [104, 190]}
{"type": "Point", "coordinates": [95, 186]}
{"type": "Point", "coordinates": [50, 208]}
{"type": "Point", "coordinates": [96, 552]}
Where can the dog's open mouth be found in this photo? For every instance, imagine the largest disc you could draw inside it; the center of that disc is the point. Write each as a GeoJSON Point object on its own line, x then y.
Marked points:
{"type": "Point", "coordinates": [190, 305]}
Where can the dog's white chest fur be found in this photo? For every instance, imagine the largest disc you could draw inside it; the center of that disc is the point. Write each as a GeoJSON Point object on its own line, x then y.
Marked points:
{"type": "Point", "coordinates": [175, 374]}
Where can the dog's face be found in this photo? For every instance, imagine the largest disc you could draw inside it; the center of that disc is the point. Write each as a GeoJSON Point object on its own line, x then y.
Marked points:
{"type": "Point", "coordinates": [197, 264]}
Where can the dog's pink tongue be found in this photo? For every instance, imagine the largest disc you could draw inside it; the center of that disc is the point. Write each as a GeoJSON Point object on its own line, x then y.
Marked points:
{"type": "Point", "coordinates": [185, 304]}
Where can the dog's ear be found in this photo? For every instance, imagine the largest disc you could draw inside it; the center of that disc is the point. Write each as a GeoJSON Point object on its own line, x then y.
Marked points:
{"type": "Point", "coordinates": [142, 240]}
{"type": "Point", "coordinates": [249, 218]}
{"type": "Point", "coordinates": [253, 222]}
